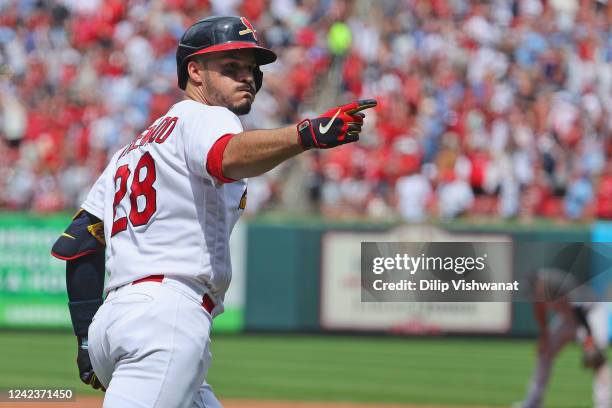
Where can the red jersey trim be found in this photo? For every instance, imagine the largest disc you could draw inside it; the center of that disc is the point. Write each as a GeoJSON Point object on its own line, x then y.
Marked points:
{"type": "Point", "coordinates": [214, 160]}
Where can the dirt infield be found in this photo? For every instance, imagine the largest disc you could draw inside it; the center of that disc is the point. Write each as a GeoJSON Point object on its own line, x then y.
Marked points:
{"type": "Point", "coordinates": [96, 402]}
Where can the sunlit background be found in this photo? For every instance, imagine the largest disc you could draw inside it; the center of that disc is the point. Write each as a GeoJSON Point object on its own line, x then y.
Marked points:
{"type": "Point", "coordinates": [493, 117]}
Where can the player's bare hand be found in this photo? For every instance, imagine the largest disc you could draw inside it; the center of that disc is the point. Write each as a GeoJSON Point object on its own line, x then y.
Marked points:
{"type": "Point", "coordinates": [337, 126]}
{"type": "Point", "coordinates": [86, 371]}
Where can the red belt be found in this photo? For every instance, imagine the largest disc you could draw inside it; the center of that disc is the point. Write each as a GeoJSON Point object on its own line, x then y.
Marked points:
{"type": "Point", "coordinates": [207, 302]}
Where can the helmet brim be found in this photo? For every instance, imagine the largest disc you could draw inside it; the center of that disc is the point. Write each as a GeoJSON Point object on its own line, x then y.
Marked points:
{"type": "Point", "coordinates": [263, 55]}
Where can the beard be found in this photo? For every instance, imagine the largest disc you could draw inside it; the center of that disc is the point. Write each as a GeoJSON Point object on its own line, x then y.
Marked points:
{"type": "Point", "coordinates": [240, 108]}
{"type": "Point", "coordinates": [221, 99]}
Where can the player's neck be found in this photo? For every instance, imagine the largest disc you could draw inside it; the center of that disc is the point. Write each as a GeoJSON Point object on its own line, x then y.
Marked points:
{"type": "Point", "coordinates": [197, 94]}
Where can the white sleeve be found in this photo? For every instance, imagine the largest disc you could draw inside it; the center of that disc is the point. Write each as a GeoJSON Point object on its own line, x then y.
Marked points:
{"type": "Point", "coordinates": [202, 131]}
{"type": "Point", "coordinates": [94, 203]}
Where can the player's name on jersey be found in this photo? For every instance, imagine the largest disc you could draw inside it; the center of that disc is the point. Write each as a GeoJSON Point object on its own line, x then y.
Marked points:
{"type": "Point", "coordinates": [157, 133]}
{"type": "Point", "coordinates": [438, 285]}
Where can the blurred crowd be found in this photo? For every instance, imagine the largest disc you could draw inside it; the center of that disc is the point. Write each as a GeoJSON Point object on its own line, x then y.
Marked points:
{"type": "Point", "coordinates": [486, 108]}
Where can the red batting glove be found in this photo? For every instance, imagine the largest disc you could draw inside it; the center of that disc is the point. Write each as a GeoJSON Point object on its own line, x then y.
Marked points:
{"type": "Point", "coordinates": [335, 127]}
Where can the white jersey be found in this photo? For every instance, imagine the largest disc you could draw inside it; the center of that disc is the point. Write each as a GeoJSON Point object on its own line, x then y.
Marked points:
{"type": "Point", "coordinates": [163, 213]}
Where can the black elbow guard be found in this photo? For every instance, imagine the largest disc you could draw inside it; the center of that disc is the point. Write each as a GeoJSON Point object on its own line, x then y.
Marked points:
{"type": "Point", "coordinates": [85, 235]}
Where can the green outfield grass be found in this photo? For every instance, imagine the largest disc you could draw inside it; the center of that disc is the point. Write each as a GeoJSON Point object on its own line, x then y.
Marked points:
{"type": "Point", "coordinates": [338, 368]}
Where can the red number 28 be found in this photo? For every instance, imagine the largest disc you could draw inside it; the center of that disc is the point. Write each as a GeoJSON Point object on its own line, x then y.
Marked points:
{"type": "Point", "coordinates": [138, 188]}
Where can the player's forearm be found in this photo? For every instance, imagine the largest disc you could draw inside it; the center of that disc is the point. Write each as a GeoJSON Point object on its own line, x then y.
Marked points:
{"type": "Point", "coordinates": [85, 277]}
{"type": "Point", "coordinates": [253, 153]}
{"type": "Point", "coordinates": [82, 247]}
{"type": "Point", "coordinates": [85, 284]}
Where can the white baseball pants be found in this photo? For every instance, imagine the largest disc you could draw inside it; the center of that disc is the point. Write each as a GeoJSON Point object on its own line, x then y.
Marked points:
{"type": "Point", "coordinates": [562, 331]}
{"type": "Point", "coordinates": [149, 344]}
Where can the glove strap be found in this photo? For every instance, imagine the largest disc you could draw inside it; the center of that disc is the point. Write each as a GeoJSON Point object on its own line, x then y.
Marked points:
{"type": "Point", "coordinates": [306, 136]}
{"type": "Point", "coordinates": [83, 343]}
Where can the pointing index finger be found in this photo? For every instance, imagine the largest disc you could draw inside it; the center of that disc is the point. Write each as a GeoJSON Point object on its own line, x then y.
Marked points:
{"type": "Point", "coordinates": [362, 104]}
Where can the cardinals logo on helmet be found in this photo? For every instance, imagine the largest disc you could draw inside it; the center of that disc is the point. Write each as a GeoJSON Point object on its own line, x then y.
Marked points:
{"type": "Point", "coordinates": [249, 28]}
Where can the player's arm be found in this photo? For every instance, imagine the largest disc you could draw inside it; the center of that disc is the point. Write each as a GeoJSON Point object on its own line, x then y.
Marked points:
{"type": "Point", "coordinates": [592, 356]}
{"type": "Point", "coordinates": [540, 313]}
{"type": "Point", "coordinates": [82, 247]}
{"type": "Point", "coordinates": [251, 153]}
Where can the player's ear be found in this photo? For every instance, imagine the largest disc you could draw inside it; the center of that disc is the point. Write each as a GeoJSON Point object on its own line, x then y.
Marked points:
{"type": "Point", "coordinates": [195, 71]}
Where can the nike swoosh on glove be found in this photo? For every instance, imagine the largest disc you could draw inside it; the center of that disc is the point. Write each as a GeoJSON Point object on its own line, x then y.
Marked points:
{"type": "Point", "coordinates": [337, 126]}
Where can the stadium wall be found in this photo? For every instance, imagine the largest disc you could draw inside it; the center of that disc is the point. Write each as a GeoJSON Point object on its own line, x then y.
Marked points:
{"type": "Point", "coordinates": [286, 264]}
{"type": "Point", "coordinates": [285, 259]}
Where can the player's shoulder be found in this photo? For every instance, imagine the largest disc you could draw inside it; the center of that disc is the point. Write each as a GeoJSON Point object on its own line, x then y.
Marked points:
{"type": "Point", "coordinates": [195, 117]}
{"type": "Point", "coordinates": [190, 108]}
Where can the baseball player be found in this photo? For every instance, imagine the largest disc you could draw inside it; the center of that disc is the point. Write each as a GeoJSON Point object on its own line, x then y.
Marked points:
{"type": "Point", "coordinates": [558, 292]}
{"type": "Point", "coordinates": [167, 203]}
